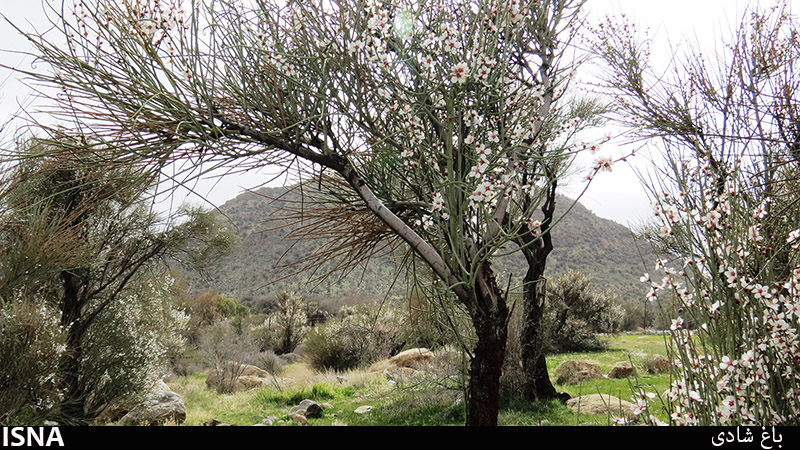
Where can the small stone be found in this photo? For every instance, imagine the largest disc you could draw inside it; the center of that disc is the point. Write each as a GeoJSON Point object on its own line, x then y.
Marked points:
{"type": "Point", "coordinates": [363, 409]}
{"type": "Point", "coordinates": [299, 420]}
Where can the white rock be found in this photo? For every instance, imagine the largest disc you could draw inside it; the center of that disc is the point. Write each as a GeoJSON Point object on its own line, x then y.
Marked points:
{"type": "Point", "coordinates": [363, 409]}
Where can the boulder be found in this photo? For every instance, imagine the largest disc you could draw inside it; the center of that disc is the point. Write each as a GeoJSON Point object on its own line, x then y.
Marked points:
{"type": "Point", "coordinates": [405, 363]}
{"type": "Point", "coordinates": [308, 408]}
{"type": "Point", "coordinates": [602, 404]}
{"type": "Point", "coordinates": [414, 358]}
{"type": "Point", "coordinates": [245, 383]}
{"type": "Point", "coordinates": [621, 369]}
{"type": "Point", "coordinates": [363, 409]}
{"type": "Point", "coordinates": [660, 363]}
{"type": "Point", "coordinates": [574, 372]}
{"type": "Point", "coordinates": [253, 371]}
{"type": "Point", "coordinates": [160, 406]}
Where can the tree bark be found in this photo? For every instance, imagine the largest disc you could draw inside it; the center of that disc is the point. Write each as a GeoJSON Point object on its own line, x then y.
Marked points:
{"type": "Point", "coordinates": [72, 403]}
{"type": "Point", "coordinates": [536, 383]}
{"type": "Point", "coordinates": [483, 403]}
{"type": "Point", "coordinates": [536, 380]}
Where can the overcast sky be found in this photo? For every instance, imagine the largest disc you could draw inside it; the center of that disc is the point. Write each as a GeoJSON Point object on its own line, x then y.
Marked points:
{"type": "Point", "coordinates": [615, 195]}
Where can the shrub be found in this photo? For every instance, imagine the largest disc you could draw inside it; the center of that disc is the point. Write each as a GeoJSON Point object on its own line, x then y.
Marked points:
{"type": "Point", "coordinates": [226, 352]}
{"type": "Point", "coordinates": [725, 199]}
{"type": "Point", "coordinates": [209, 308]}
{"type": "Point", "coordinates": [654, 364]}
{"type": "Point", "coordinates": [129, 346]}
{"type": "Point", "coordinates": [361, 335]}
{"type": "Point", "coordinates": [576, 313]}
{"type": "Point", "coordinates": [31, 342]}
{"type": "Point", "coordinates": [333, 346]}
{"type": "Point", "coordinates": [285, 328]}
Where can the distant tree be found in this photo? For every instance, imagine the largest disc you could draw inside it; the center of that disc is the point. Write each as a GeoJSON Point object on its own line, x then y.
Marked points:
{"type": "Point", "coordinates": [451, 97]}
{"type": "Point", "coordinates": [81, 239]}
{"type": "Point", "coordinates": [726, 208]}
{"type": "Point", "coordinates": [208, 308]}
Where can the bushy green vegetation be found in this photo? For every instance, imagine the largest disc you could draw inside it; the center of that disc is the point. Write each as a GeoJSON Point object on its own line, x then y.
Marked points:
{"type": "Point", "coordinates": [81, 251]}
{"type": "Point", "coordinates": [576, 312]}
{"type": "Point", "coordinates": [358, 336]}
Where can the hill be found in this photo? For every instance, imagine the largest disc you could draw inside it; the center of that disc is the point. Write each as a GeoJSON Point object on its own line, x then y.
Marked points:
{"type": "Point", "coordinates": [262, 262]}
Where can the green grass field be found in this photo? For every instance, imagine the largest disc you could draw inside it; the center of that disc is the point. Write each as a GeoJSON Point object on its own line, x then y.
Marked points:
{"type": "Point", "coordinates": [407, 404]}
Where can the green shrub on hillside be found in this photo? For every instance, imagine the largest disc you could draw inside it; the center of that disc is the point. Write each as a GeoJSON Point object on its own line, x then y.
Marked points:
{"type": "Point", "coordinates": [361, 335]}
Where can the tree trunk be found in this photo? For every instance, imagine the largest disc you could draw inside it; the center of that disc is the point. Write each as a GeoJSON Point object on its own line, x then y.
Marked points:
{"type": "Point", "coordinates": [536, 382]}
{"type": "Point", "coordinates": [72, 403]}
{"type": "Point", "coordinates": [486, 367]}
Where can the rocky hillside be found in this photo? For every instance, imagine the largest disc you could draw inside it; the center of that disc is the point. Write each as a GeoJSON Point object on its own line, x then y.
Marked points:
{"type": "Point", "coordinates": [599, 247]}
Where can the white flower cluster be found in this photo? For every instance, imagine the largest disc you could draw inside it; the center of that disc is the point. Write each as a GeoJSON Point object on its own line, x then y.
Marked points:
{"type": "Point", "coordinates": [156, 19]}
{"type": "Point", "coordinates": [750, 296]}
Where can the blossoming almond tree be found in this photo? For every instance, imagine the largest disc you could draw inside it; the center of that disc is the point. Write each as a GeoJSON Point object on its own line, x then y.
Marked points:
{"type": "Point", "coordinates": [453, 97]}
{"type": "Point", "coordinates": [726, 210]}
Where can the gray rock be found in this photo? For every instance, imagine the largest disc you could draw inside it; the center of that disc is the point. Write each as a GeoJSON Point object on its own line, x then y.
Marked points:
{"type": "Point", "coordinates": [363, 409]}
{"type": "Point", "coordinates": [161, 405]}
{"type": "Point", "coordinates": [310, 409]}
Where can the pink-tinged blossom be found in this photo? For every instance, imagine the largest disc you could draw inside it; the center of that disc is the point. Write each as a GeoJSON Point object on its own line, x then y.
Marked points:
{"type": "Point", "coordinates": [438, 202]}
{"type": "Point", "coordinates": [603, 163]}
{"type": "Point", "coordinates": [459, 73]}
{"type": "Point", "coordinates": [727, 364]}
{"type": "Point", "coordinates": [639, 407]}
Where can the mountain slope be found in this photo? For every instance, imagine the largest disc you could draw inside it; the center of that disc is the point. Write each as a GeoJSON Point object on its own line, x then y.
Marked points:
{"type": "Point", "coordinates": [598, 247]}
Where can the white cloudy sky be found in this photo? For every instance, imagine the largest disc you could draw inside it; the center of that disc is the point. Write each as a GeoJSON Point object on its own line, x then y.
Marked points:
{"type": "Point", "coordinates": [615, 195]}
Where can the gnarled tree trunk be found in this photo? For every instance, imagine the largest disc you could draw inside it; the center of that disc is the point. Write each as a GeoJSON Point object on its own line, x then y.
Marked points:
{"type": "Point", "coordinates": [536, 248]}
{"type": "Point", "coordinates": [536, 384]}
{"type": "Point", "coordinates": [486, 366]}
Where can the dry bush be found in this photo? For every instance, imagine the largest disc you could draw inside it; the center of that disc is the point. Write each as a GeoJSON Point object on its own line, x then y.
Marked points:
{"type": "Point", "coordinates": [226, 352]}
